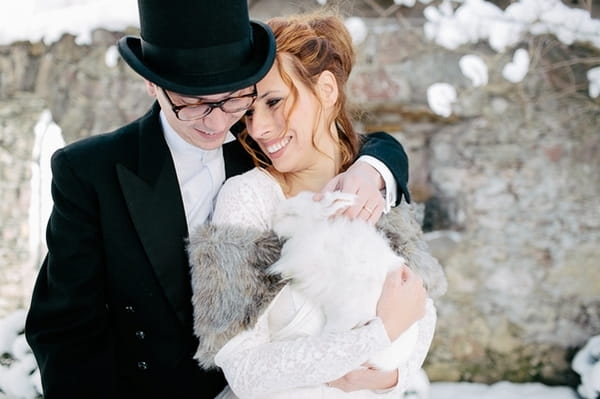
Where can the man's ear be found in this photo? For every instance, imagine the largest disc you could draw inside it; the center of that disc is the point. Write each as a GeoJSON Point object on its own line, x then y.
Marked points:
{"type": "Point", "coordinates": [150, 88]}
{"type": "Point", "coordinates": [327, 88]}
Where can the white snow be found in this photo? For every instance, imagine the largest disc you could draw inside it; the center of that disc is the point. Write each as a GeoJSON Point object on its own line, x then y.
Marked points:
{"type": "Point", "coordinates": [478, 20]}
{"type": "Point", "coordinates": [440, 97]}
{"type": "Point", "coordinates": [593, 76]}
{"type": "Point", "coordinates": [516, 70]}
{"type": "Point", "coordinates": [586, 363]}
{"type": "Point", "coordinates": [111, 57]}
{"type": "Point", "coordinates": [16, 379]}
{"type": "Point", "coordinates": [358, 29]}
{"type": "Point", "coordinates": [499, 390]}
{"type": "Point", "coordinates": [48, 138]}
{"type": "Point", "coordinates": [474, 68]}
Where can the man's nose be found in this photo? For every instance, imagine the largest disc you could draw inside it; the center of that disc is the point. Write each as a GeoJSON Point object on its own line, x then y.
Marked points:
{"type": "Point", "coordinates": [219, 120]}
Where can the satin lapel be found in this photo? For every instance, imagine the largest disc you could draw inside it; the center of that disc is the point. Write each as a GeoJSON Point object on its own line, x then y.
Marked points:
{"type": "Point", "coordinates": [154, 201]}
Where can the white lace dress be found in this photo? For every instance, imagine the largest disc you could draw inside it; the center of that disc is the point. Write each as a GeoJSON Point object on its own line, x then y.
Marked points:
{"type": "Point", "coordinates": [285, 355]}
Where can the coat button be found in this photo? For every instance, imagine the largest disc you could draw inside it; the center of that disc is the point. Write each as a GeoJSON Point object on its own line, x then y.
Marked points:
{"type": "Point", "coordinates": [129, 309]}
{"type": "Point", "coordinates": [140, 334]}
{"type": "Point", "coordinates": [142, 365]}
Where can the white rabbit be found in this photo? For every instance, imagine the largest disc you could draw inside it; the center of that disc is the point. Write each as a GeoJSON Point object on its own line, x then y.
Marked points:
{"type": "Point", "coordinates": [340, 264]}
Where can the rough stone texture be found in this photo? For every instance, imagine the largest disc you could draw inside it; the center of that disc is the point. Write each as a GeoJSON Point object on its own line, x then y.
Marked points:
{"type": "Point", "coordinates": [85, 97]}
{"type": "Point", "coordinates": [511, 187]}
{"type": "Point", "coordinates": [17, 119]}
{"type": "Point", "coordinates": [509, 184]}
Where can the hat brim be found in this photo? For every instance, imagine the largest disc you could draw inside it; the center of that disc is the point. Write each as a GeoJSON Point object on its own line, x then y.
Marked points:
{"type": "Point", "coordinates": [242, 76]}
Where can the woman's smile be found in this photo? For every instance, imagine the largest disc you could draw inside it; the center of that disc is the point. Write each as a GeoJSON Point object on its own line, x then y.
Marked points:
{"type": "Point", "coordinates": [276, 147]}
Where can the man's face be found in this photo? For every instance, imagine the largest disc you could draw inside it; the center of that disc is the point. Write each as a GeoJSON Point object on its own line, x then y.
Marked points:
{"type": "Point", "coordinates": [208, 132]}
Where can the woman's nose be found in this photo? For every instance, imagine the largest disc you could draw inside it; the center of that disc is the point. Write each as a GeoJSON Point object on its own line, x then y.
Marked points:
{"type": "Point", "coordinates": [260, 125]}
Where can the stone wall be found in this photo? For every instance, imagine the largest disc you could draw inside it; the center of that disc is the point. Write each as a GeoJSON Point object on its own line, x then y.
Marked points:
{"type": "Point", "coordinates": [509, 184]}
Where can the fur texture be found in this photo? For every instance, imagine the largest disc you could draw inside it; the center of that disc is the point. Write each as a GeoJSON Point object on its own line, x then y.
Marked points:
{"type": "Point", "coordinates": [340, 264]}
{"type": "Point", "coordinates": [231, 285]}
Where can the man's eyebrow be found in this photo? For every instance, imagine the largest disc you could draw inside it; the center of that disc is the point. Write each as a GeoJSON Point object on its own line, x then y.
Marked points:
{"type": "Point", "coordinates": [225, 96]}
{"type": "Point", "coordinates": [202, 98]}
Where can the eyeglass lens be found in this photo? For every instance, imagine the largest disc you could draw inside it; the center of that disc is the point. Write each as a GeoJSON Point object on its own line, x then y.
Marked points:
{"type": "Point", "coordinates": [230, 105]}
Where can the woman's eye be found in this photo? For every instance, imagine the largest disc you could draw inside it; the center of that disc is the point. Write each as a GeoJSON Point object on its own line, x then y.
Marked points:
{"type": "Point", "coordinates": [249, 113]}
{"type": "Point", "coordinates": [273, 102]}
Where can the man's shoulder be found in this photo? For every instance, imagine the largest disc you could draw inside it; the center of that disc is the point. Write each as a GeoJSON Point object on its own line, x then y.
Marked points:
{"type": "Point", "coordinates": [106, 143]}
{"type": "Point", "coordinates": [98, 154]}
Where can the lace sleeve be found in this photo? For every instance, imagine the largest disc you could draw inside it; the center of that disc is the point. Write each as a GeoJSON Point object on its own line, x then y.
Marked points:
{"type": "Point", "coordinates": [245, 200]}
{"type": "Point", "coordinates": [257, 368]}
{"type": "Point", "coordinates": [414, 363]}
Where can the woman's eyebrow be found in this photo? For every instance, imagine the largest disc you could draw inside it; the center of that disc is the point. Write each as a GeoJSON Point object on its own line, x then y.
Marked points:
{"type": "Point", "coordinates": [263, 95]}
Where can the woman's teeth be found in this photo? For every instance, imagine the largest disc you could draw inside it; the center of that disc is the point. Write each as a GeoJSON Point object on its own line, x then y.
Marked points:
{"type": "Point", "coordinates": [278, 146]}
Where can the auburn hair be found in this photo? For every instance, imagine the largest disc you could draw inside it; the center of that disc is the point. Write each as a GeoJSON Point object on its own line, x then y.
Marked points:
{"type": "Point", "coordinates": [310, 44]}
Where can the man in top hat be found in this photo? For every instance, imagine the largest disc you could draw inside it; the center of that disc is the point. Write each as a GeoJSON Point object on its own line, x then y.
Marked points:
{"type": "Point", "coordinates": [111, 313]}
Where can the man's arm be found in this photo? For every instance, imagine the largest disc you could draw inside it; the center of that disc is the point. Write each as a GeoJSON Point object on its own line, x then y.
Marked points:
{"type": "Point", "coordinates": [389, 151]}
{"type": "Point", "coordinates": [67, 323]}
{"type": "Point", "coordinates": [367, 182]}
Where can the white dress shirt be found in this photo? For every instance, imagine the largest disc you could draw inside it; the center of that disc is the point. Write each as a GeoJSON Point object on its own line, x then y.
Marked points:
{"type": "Point", "coordinates": [200, 174]}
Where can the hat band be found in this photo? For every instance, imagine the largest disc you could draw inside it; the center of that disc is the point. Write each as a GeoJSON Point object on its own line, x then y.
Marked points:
{"type": "Point", "coordinates": [198, 61]}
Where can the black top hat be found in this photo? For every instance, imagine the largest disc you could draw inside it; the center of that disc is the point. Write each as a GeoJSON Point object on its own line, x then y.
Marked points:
{"type": "Point", "coordinates": [199, 47]}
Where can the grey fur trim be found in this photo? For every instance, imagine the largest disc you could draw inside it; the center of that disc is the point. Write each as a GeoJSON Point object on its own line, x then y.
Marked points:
{"type": "Point", "coordinates": [405, 237]}
{"type": "Point", "coordinates": [229, 285]}
{"type": "Point", "coordinates": [231, 288]}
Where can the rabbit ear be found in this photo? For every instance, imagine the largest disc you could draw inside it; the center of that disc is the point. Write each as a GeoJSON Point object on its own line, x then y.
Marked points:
{"type": "Point", "coordinates": [336, 200]}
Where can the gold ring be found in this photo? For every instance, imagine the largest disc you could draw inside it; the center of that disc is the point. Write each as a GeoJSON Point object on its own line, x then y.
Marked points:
{"type": "Point", "coordinates": [366, 208]}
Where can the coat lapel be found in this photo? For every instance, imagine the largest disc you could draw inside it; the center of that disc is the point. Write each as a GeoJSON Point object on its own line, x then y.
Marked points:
{"type": "Point", "coordinates": [237, 160]}
{"type": "Point", "coordinates": [154, 201]}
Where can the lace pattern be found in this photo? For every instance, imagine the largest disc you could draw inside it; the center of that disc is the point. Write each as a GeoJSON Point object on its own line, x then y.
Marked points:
{"type": "Point", "coordinates": [248, 200]}
{"type": "Point", "coordinates": [258, 368]}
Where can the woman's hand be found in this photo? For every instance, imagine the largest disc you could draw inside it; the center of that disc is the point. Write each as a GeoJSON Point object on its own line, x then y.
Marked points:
{"type": "Point", "coordinates": [366, 378]}
{"type": "Point", "coordinates": [402, 301]}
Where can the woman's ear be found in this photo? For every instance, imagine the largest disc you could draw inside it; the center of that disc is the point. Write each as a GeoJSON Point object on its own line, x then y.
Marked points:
{"type": "Point", "coordinates": [327, 88]}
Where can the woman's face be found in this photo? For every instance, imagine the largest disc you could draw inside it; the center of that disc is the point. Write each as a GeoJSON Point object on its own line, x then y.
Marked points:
{"type": "Point", "coordinates": [290, 144]}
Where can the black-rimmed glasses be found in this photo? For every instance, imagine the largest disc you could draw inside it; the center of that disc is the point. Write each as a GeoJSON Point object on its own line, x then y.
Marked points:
{"type": "Point", "coordinates": [230, 105]}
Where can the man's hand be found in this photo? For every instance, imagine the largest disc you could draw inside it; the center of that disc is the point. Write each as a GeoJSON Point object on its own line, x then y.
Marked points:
{"type": "Point", "coordinates": [366, 377]}
{"type": "Point", "coordinates": [365, 181]}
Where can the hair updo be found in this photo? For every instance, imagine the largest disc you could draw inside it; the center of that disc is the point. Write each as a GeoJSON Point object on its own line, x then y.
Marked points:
{"type": "Point", "coordinates": [310, 44]}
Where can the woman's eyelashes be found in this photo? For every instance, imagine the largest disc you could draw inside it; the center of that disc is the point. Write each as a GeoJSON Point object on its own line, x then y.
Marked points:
{"type": "Point", "coordinates": [271, 103]}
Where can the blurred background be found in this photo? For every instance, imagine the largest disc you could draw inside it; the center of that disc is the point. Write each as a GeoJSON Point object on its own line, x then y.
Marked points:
{"type": "Point", "coordinates": [496, 102]}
